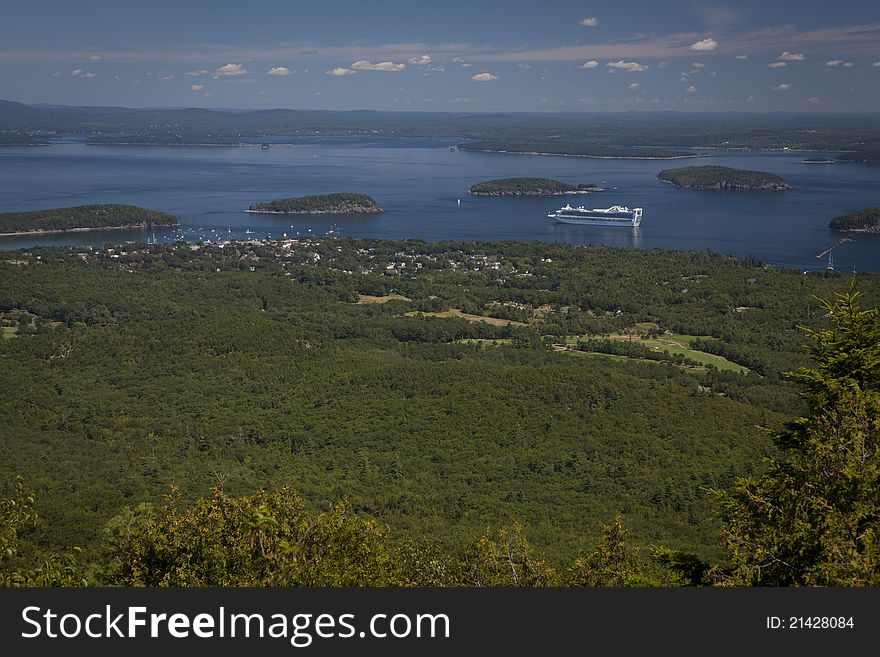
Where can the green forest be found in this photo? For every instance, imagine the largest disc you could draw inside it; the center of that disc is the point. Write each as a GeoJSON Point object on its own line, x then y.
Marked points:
{"type": "Point", "coordinates": [528, 187]}
{"type": "Point", "coordinates": [365, 412]}
{"type": "Point", "coordinates": [83, 217]}
{"type": "Point", "coordinates": [715, 177]}
{"type": "Point", "coordinates": [343, 203]}
{"type": "Point", "coordinates": [867, 220]}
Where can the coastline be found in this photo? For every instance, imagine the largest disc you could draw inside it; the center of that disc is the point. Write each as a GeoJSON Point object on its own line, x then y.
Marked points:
{"type": "Point", "coordinates": [377, 211]}
{"type": "Point", "coordinates": [47, 231]}
{"type": "Point", "coordinates": [592, 157]}
{"type": "Point", "coordinates": [578, 192]}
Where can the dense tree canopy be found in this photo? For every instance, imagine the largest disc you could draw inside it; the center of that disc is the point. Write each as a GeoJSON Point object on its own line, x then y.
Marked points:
{"type": "Point", "coordinates": [814, 517]}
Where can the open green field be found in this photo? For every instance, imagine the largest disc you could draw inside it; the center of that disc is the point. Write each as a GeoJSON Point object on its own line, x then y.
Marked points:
{"type": "Point", "coordinates": [8, 332]}
{"type": "Point", "coordinates": [674, 343]}
{"type": "Point", "coordinates": [369, 298]}
{"type": "Point", "coordinates": [680, 344]}
{"type": "Point", "coordinates": [571, 341]}
{"type": "Point", "coordinates": [455, 312]}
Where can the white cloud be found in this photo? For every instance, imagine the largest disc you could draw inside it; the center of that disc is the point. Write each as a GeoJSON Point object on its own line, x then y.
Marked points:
{"type": "Point", "coordinates": [466, 65]}
{"type": "Point", "coordinates": [662, 64]}
{"type": "Point", "coordinates": [698, 65]}
{"type": "Point", "coordinates": [590, 64]}
{"type": "Point", "coordinates": [781, 87]}
{"type": "Point", "coordinates": [57, 74]}
{"type": "Point", "coordinates": [838, 62]}
{"type": "Point", "coordinates": [95, 58]}
{"type": "Point", "coordinates": [484, 77]}
{"type": "Point", "coordinates": [280, 70]}
{"type": "Point", "coordinates": [196, 74]}
{"type": "Point", "coordinates": [458, 60]}
{"type": "Point", "coordinates": [704, 44]}
{"type": "Point", "coordinates": [876, 64]}
{"type": "Point", "coordinates": [438, 68]}
{"type": "Point", "coordinates": [525, 66]}
{"type": "Point", "coordinates": [79, 73]}
{"type": "Point", "coordinates": [197, 87]}
{"type": "Point", "coordinates": [792, 56]}
{"type": "Point", "coordinates": [742, 56]}
{"type": "Point", "coordinates": [634, 85]}
{"type": "Point", "coordinates": [692, 89]}
{"type": "Point", "coordinates": [364, 65]}
{"type": "Point", "coordinates": [590, 21]}
{"type": "Point", "coordinates": [228, 70]}
{"type": "Point", "coordinates": [421, 60]}
{"type": "Point", "coordinates": [167, 78]}
{"type": "Point", "coordinates": [777, 65]}
{"type": "Point", "coordinates": [339, 72]}
{"type": "Point", "coordinates": [631, 67]}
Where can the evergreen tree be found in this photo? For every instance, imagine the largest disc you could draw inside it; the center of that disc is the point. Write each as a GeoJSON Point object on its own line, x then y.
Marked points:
{"type": "Point", "coordinates": [814, 517]}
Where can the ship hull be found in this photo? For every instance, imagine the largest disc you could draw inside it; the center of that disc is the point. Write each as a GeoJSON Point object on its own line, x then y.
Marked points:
{"type": "Point", "coordinates": [576, 221]}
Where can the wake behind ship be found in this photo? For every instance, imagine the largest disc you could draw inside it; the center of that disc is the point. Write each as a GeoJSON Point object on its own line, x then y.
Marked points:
{"type": "Point", "coordinates": [616, 215]}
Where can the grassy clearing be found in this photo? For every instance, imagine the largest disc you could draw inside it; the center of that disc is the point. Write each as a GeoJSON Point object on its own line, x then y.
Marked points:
{"type": "Point", "coordinates": [369, 298]}
{"type": "Point", "coordinates": [9, 331]}
{"type": "Point", "coordinates": [486, 342]}
{"type": "Point", "coordinates": [455, 312]}
{"type": "Point", "coordinates": [497, 342]}
{"type": "Point", "coordinates": [674, 343]}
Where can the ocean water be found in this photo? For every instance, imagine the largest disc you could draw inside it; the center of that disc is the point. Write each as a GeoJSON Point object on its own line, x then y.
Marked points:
{"type": "Point", "coordinates": [419, 182]}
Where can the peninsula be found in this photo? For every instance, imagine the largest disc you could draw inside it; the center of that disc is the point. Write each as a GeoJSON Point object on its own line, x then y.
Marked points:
{"type": "Point", "coordinates": [343, 203]}
{"type": "Point", "coordinates": [715, 177]}
{"type": "Point", "coordinates": [529, 187]}
{"type": "Point", "coordinates": [574, 148]}
{"type": "Point", "coordinates": [860, 221]}
{"type": "Point", "coordinates": [83, 218]}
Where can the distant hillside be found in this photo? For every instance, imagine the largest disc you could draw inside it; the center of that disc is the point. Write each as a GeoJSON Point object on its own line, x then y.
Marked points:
{"type": "Point", "coordinates": [715, 177]}
{"type": "Point", "coordinates": [637, 134]}
{"type": "Point", "coordinates": [860, 221]}
{"type": "Point", "coordinates": [343, 203]}
{"type": "Point", "coordinates": [83, 217]}
{"type": "Point", "coordinates": [529, 187]}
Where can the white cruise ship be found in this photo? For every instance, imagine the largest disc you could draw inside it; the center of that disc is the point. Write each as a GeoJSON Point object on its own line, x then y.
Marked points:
{"type": "Point", "coordinates": [616, 215]}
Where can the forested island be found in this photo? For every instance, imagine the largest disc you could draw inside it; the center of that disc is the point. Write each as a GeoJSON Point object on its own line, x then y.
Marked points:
{"type": "Point", "coordinates": [818, 160]}
{"type": "Point", "coordinates": [341, 203]}
{"type": "Point", "coordinates": [716, 177]}
{"type": "Point", "coordinates": [529, 187]}
{"type": "Point", "coordinates": [477, 404]}
{"type": "Point", "coordinates": [83, 217]}
{"type": "Point", "coordinates": [860, 221]}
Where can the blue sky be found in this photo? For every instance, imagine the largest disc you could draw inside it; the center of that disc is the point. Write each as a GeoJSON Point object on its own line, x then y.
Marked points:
{"type": "Point", "coordinates": [462, 56]}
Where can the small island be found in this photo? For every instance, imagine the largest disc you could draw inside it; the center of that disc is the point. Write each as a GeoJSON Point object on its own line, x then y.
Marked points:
{"type": "Point", "coordinates": [529, 187]}
{"type": "Point", "coordinates": [343, 203]}
{"type": "Point", "coordinates": [860, 221]}
{"type": "Point", "coordinates": [83, 218]}
{"type": "Point", "coordinates": [715, 177]}
{"type": "Point", "coordinates": [818, 160]}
